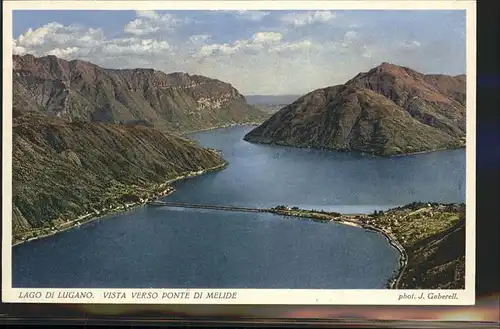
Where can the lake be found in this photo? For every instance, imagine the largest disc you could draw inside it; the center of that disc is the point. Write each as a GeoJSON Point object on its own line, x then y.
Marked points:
{"type": "Point", "coordinates": [157, 247]}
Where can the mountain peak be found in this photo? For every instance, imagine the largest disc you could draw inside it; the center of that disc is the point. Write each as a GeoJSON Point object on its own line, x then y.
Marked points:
{"type": "Point", "coordinates": [386, 64]}
{"type": "Point", "coordinates": [388, 110]}
{"type": "Point", "coordinates": [394, 69]}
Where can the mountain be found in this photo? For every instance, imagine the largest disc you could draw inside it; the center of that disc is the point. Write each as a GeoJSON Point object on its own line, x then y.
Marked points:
{"type": "Point", "coordinates": [271, 99]}
{"type": "Point", "coordinates": [62, 170]}
{"type": "Point", "coordinates": [270, 108]}
{"type": "Point", "coordinates": [270, 103]}
{"type": "Point", "coordinates": [389, 110]}
{"type": "Point", "coordinates": [76, 89]}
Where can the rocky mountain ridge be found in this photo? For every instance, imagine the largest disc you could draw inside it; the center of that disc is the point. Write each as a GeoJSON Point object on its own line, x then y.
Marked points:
{"type": "Point", "coordinates": [389, 110]}
{"type": "Point", "coordinates": [81, 90]}
{"type": "Point", "coordinates": [62, 170]}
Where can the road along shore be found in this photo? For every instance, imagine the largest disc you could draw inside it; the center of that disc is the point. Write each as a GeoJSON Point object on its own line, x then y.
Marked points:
{"type": "Point", "coordinates": [166, 190]}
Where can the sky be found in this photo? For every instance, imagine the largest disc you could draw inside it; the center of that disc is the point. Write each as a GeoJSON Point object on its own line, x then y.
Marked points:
{"type": "Point", "coordinates": [258, 52]}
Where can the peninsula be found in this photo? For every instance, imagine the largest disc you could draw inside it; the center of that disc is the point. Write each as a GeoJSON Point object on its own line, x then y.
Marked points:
{"type": "Point", "coordinates": [429, 236]}
{"type": "Point", "coordinates": [387, 111]}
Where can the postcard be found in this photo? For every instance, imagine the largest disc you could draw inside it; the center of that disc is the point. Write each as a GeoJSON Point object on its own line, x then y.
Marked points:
{"type": "Point", "coordinates": [239, 152]}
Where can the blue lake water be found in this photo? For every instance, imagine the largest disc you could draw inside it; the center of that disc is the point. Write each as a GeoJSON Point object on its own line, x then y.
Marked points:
{"type": "Point", "coordinates": [176, 248]}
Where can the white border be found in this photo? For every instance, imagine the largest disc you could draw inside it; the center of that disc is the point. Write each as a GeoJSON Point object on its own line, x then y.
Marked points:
{"type": "Point", "coordinates": [245, 296]}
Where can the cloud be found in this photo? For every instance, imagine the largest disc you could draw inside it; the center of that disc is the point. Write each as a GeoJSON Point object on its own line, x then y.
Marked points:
{"type": "Point", "coordinates": [150, 22]}
{"type": "Point", "coordinates": [351, 41]}
{"type": "Point", "coordinates": [351, 35]}
{"type": "Point", "coordinates": [265, 42]}
{"type": "Point", "coordinates": [199, 38]}
{"type": "Point", "coordinates": [18, 50]}
{"type": "Point", "coordinates": [64, 52]}
{"type": "Point", "coordinates": [266, 37]}
{"type": "Point", "coordinates": [133, 46]}
{"type": "Point", "coordinates": [57, 39]}
{"type": "Point", "coordinates": [227, 48]}
{"type": "Point", "coordinates": [251, 15]}
{"type": "Point", "coordinates": [207, 50]}
{"type": "Point", "coordinates": [410, 45]}
{"type": "Point", "coordinates": [298, 46]}
{"type": "Point", "coordinates": [367, 52]}
{"type": "Point", "coordinates": [86, 43]}
{"type": "Point", "coordinates": [55, 33]}
{"type": "Point", "coordinates": [141, 27]}
{"type": "Point", "coordinates": [259, 41]}
{"type": "Point", "coordinates": [151, 14]}
{"type": "Point", "coordinates": [308, 17]}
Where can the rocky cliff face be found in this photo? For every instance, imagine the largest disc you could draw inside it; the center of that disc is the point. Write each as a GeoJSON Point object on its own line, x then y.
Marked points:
{"type": "Point", "coordinates": [62, 170]}
{"type": "Point", "coordinates": [389, 110]}
{"type": "Point", "coordinates": [81, 90]}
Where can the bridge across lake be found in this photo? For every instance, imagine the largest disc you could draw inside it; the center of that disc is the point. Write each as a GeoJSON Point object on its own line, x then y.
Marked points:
{"type": "Point", "coordinates": [206, 206]}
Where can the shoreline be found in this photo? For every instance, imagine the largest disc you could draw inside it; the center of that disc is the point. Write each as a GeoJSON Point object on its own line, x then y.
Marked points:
{"type": "Point", "coordinates": [90, 217]}
{"type": "Point", "coordinates": [252, 123]}
{"type": "Point", "coordinates": [432, 221]}
{"type": "Point", "coordinates": [393, 281]}
{"type": "Point", "coordinates": [423, 152]}
{"type": "Point", "coordinates": [355, 151]}
{"type": "Point", "coordinates": [386, 226]}
{"type": "Point", "coordinates": [356, 221]}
